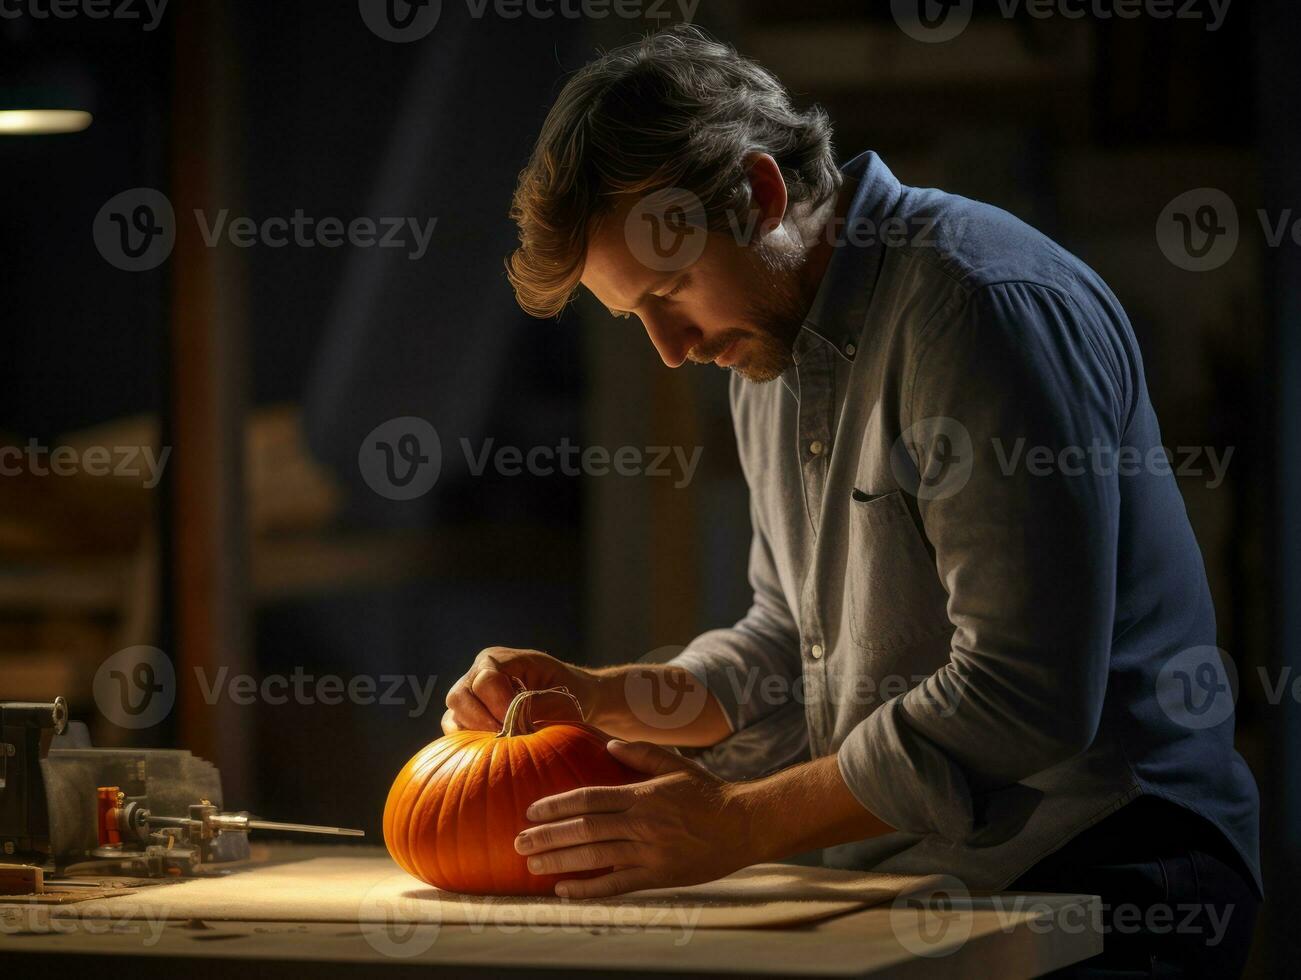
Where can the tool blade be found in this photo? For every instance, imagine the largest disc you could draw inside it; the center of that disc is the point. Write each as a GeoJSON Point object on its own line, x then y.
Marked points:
{"type": "Point", "coordinates": [304, 828]}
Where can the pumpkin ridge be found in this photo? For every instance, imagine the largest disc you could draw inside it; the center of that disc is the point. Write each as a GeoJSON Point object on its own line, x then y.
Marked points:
{"type": "Point", "coordinates": [560, 756]}
{"type": "Point", "coordinates": [419, 826]}
{"type": "Point", "coordinates": [431, 770]}
{"type": "Point", "coordinates": [438, 770]}
{"type": "Point", "coordinates": [515, 857]}
{"type": "Point", "coordinates": [499, 746]}
{"type": "Point", "coordinates": [466, 775]}
{"type": "Point", "coordinates": [535, 782]}
{"type": "Point", "coordinates": [397, 808]}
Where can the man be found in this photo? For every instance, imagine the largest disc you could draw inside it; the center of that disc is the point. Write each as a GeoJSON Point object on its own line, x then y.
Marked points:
{"type": "Point", "coordinates": [972, 612]}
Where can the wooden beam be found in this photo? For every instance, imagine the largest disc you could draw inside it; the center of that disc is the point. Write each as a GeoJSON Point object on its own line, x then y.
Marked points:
{"type": "Point", "coordinates": [209, 534]}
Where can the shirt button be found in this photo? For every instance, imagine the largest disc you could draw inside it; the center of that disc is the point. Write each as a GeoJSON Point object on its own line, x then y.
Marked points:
{"type": "Point", "coordinates": [849, 350]}
{"type": "Point", "coordinates": [815, 651]}
{"type": "Point", "coordinates": [816, 447]}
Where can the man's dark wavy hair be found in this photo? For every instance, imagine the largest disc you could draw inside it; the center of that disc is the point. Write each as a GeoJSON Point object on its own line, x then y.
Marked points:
{"type": "Point", "coordinates": [673, 110]}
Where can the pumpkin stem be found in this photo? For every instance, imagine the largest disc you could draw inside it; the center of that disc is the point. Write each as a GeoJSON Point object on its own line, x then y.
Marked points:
{"type": "Point", "coordinates": [519, 721]}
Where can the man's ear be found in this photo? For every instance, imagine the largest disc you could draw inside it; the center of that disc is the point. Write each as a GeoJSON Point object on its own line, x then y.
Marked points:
{"type": "Point", "coordinates": [767, 192]}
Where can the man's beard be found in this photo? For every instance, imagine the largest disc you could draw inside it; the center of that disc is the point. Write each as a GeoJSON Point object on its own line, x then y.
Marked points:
{"type": "Point", "coordinates": [777, 312]}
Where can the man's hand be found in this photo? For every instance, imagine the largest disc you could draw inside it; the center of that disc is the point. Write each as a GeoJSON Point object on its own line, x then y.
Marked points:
{"type": "Point", "coordinates": [682, 826]}
{"type": "Point", "coordinates": [480, 698]}
{"type": "Point", "coordinates": [622, 701]}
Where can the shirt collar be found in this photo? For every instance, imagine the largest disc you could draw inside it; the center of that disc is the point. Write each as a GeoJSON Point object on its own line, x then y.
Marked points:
{"type": "Point", "coordinates": [840, 305]}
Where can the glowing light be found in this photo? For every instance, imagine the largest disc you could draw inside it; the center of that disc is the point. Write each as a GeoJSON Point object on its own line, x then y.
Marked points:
{"type": "Point", "coordinates": [33, 122]}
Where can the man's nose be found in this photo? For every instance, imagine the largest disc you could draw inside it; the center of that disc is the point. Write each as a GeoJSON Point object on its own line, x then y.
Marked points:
{"type": "Point", "coordinates": [672, 338]}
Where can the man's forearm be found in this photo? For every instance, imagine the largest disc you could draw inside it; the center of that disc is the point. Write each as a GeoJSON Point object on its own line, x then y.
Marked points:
{"type": "Point", "coordinates": [803, 808]}
{"type": "Point", "coordinates": [656, 703]}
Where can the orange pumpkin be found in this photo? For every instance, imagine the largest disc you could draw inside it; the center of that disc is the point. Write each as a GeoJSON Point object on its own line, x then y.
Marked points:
{"type": "Point", "coordinates": [456, 807]}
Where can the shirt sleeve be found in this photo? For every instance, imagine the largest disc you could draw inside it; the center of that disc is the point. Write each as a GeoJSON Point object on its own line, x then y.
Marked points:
{"type": "Point", "coordinates": [1025, 546]}
{"type": "Point", "coordinates": [753, 667]}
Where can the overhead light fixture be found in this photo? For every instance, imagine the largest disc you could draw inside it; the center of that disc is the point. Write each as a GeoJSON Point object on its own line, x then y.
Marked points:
{"type": "Point", "coordinates": [43, 94]}
{"type": "Point", "coordinates": [41, 122]}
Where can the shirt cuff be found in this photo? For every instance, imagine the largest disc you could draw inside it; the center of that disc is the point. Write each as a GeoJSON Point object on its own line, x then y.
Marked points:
{"type": "Point", "coordinates": [716, 669]}
{"type": "Point", "coordinates": [903, 778]}
{"type": "Point", "coordinates": [775, 742]}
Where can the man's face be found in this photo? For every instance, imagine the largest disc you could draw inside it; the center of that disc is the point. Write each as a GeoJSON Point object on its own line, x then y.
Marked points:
{"type": "Point", "coordinates": [735, 305]}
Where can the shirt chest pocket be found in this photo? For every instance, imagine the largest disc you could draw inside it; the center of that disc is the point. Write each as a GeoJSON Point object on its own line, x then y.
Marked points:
{"type": "Point", "coordinates": [893, 594]}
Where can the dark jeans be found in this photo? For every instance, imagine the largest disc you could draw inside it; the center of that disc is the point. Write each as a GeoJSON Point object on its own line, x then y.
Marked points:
{"type": "Point", "coordinates": [1177, 900]}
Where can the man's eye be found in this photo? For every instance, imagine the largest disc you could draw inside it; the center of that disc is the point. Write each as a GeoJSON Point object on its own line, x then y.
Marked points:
{"type": "Point", "coordinates": [681, 285]}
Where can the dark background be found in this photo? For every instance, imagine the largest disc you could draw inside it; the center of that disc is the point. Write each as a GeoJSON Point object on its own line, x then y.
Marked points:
{"type": "Point", "coordinates": [263, 549]}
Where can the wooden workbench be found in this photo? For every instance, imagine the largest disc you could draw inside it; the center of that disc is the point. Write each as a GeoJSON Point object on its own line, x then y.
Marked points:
{"type": "Point", "coordinates": [990, 936]}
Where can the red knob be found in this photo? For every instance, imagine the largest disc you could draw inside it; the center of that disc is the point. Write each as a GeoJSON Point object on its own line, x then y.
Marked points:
{"type": "Point", "coordinates": [107, 804]}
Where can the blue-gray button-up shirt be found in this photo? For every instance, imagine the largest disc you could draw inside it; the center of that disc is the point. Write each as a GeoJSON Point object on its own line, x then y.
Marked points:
{"type": "Point", "coordinates": [974, 578]}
